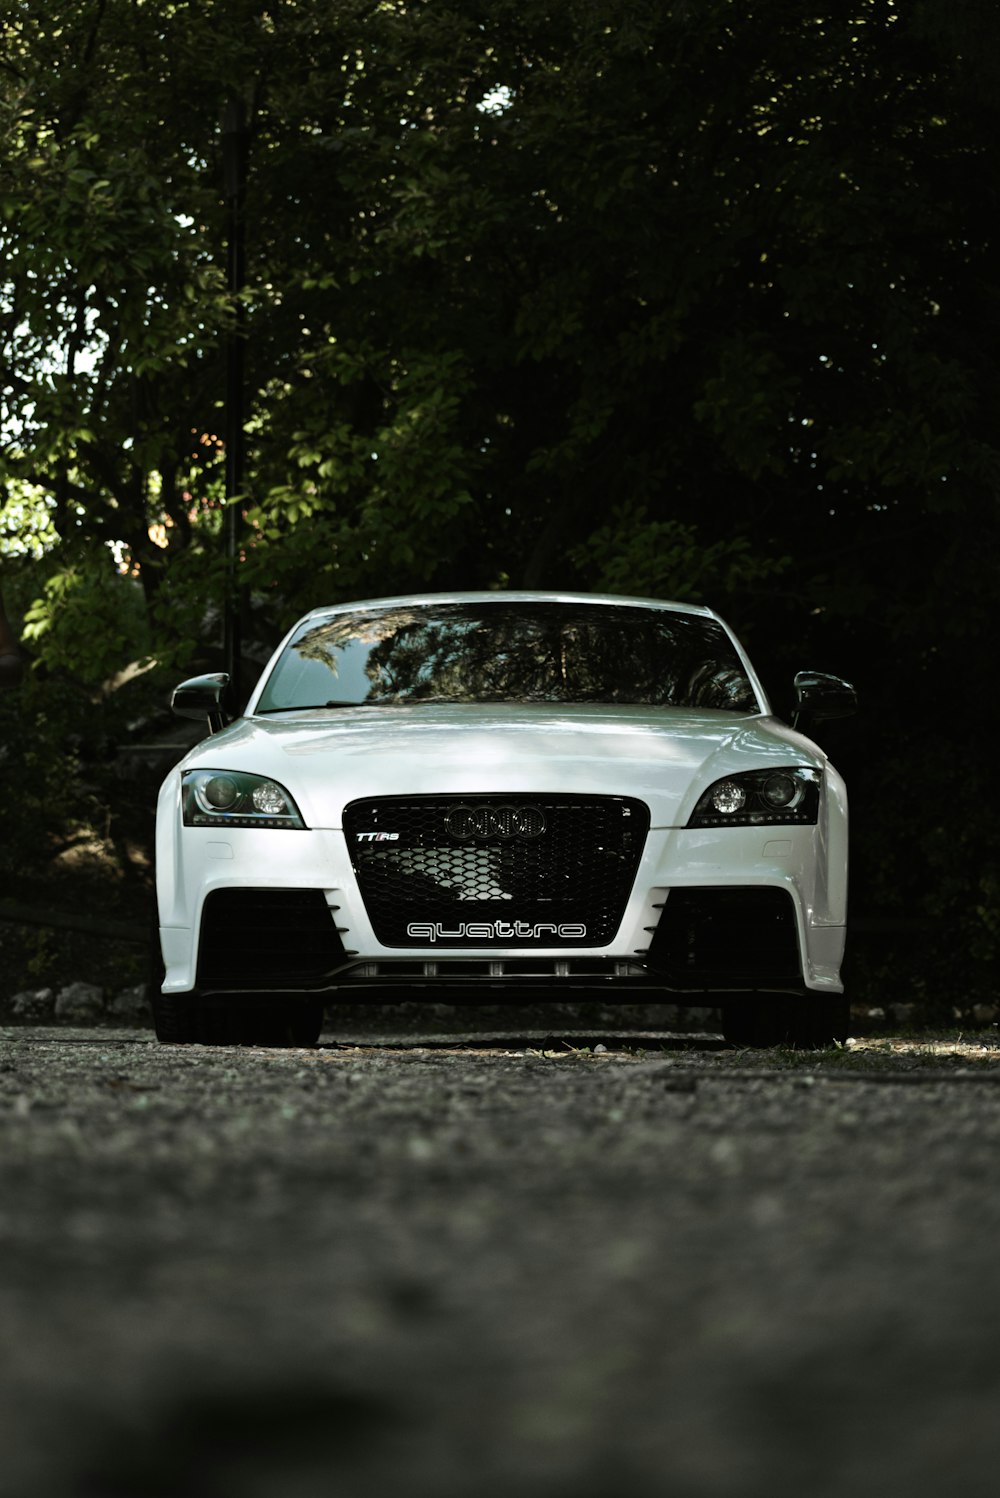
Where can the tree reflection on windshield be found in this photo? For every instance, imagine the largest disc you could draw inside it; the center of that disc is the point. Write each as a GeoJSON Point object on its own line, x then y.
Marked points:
{"type": "Point", "coordinates": [511, 652]}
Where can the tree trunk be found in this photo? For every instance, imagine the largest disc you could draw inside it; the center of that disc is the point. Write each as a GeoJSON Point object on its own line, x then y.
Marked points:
{"type": "Point", "coordinates": [11, 659]}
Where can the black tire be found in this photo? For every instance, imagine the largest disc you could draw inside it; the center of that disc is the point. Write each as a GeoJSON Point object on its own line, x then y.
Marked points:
{"type": "Point", "coordinates": [810, 1022]}
{"type": "Point", "coordinates": [174, 1020]}
{"type": "Point", "coordinates": [753, 1021]}
{"type": "Point", "coordinates": [187, 1019]}
{"type": "Point", "coordinates": [283, 1022]}
{"type": "Point", "coordinates": [819, 1021]}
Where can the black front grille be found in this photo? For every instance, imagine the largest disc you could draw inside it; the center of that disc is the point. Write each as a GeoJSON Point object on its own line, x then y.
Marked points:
{"type": "Point", "coordinates": [267, 938]}
{"type": "Point", "coordinates": [503, 871]}
{"type": "Point", "coordinates": [721, 938]}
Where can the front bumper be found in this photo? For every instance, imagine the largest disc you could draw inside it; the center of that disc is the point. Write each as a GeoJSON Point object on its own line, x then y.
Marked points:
{"type": "Point", "coordinates": [711, 911]}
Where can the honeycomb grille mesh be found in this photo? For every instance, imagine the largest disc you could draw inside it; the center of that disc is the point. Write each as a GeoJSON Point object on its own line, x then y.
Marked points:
{"type": "Point", "coordinates": [519, 871]}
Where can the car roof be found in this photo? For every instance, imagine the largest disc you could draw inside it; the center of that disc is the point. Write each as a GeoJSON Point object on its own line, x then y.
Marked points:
{"type": "Point", "coordinates": [521, 595]}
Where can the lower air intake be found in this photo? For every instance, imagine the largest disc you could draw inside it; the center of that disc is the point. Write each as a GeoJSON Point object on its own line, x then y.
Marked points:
{"type": "Point", "coordinates": [714, 938]}
{"type": "Point", "coordinates": [267, 938]}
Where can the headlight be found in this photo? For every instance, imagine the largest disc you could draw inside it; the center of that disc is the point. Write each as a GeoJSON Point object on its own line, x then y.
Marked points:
{"type": "Point", "coordinates": [231, 798]}
{"type": "Point", "coordinates": [760, 798]}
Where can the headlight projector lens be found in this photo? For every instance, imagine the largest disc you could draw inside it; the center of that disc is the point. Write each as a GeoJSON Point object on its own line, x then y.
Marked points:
{"type": "Point", "coordinates": [779, 791]}
{"type": "Point", "coordinates": [221, 792]}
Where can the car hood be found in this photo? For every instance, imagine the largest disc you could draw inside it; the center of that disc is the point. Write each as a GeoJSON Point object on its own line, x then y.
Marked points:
{"type": "Point", "coordinates": [664, 756]}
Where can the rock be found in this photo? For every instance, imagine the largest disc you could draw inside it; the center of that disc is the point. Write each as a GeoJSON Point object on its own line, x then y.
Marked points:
{"type": "Point", "coordinates": [130, 1006]}
{"type": "Point", "coordinates": [80, 1003]}
{"type": "Point", "coordinates": [33, 1005]}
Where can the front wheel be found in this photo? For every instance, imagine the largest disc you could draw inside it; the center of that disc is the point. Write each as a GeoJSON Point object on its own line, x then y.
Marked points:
{"type": "Point", "coordinates": [810, 1022]}
{"type": "Point", "coordinates": [239, 1019]}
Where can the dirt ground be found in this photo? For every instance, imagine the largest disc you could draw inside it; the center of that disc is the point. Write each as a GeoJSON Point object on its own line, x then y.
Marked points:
{"type": "Point", "coordinates": [496, 1268]}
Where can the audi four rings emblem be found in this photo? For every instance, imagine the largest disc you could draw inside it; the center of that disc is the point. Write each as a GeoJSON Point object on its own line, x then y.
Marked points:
{"type": "Point", "coordinates": [506, 822]}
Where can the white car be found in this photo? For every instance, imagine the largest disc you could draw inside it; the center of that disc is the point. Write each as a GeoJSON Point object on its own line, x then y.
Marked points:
{"type": "Point", "coordinates": [490, 796]}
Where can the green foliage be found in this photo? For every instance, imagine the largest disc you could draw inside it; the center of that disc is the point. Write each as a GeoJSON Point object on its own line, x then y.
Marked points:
{"type": "Point", "coordinates": [668, 559]}
{"type": "Point", "coordinates": [40, 733]}
{"type": "Point", "coordinates": [26, 528]}
{"type": "Point", "coordinates": [88, 620]}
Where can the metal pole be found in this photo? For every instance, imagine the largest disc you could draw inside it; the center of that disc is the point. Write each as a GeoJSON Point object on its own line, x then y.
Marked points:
{"type": "Point", "coordinates": [234, 161]}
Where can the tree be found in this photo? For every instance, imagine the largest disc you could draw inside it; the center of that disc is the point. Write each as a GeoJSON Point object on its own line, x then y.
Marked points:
{"type": "Point", "coordinates": [715, 269]}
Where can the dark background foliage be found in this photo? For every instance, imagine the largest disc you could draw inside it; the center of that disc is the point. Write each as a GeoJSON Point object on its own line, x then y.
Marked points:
{"type": "Point", "coordinates": [691, 300]}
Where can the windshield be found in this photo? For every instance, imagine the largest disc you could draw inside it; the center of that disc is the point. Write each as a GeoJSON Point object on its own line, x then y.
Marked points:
{"type": "Point", "coordinates": [510, 652]}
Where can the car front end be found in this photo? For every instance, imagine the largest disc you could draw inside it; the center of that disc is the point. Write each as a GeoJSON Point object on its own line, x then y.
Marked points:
{"type": "Point", "coordinates": [490, 849]}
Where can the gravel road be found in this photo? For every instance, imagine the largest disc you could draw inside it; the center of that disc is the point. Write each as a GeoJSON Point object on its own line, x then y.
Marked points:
{"type": "Point", "coordinates": [496, 1270]}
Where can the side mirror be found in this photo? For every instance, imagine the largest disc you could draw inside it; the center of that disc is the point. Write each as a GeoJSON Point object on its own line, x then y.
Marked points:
{"type": "Point", "coordinates": [204, 697]}
{"type": "Point", "coordinates": [820, 696]}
